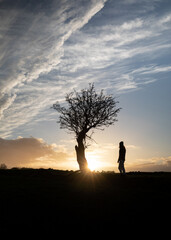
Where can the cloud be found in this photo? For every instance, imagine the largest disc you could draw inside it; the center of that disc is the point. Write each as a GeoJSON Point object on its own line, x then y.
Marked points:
{"type": "Point", "coordinates": [100, 47]}
{"type": "Point", "coordinates": [151, 165]}
{"type": "Point", "coordinates": [118, 49]}
{"type": "Point", "coordinates": [32, 39]}
{"type": "Point", "coordinates": [110, 44]}
{"type": "Point", "coordinates": [31, 152]}
{"type": "Point", "coordinates": [5, 101]}
{"type": "Point", "coordinates": [152, 69]}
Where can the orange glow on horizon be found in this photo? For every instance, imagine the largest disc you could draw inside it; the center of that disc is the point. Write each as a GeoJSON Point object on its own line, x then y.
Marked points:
{"type": "Point", "coordinates": [94, 162]}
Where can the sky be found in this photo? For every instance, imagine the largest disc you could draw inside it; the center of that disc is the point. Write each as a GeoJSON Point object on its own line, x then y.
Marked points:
{"type": "Point", "coordinates": [50, 47]}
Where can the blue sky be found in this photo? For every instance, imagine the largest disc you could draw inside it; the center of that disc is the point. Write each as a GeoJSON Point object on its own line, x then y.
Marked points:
{"type": "Point", "coordinates": [47, 48]}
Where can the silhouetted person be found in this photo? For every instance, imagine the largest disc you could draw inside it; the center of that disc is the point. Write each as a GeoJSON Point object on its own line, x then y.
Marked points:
{"type": "Point", "coordinates": [121, 159]}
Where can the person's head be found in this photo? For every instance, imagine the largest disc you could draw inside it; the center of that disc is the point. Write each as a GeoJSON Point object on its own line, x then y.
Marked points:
{"type": "Point", "coordinates": [121, 144]}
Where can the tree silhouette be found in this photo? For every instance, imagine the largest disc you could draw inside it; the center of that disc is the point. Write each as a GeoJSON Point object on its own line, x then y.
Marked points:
{"type": "Point", "coordinates": [85, 111]}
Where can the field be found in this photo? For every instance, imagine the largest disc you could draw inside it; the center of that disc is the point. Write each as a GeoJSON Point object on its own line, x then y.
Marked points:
{"type": "Point", "coordinates": [50, 201]}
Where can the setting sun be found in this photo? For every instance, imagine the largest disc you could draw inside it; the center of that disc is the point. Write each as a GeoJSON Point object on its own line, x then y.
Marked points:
{"type": "Point", "coordinates": [93, 164]}
{"type": "Point", "coordinates": [93, 161]}
{"type": "Point", "coordinates": [97, 160]}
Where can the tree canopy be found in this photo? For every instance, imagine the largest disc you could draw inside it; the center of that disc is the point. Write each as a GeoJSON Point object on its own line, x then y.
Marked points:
{"type": "Point", "coordinates": [87, 110]}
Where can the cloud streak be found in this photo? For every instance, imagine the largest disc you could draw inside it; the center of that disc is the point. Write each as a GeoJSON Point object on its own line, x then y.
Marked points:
{"type": "Point", "coordinates": [111, 46]}
{"type": "Point", "coordinates": [32, 39]}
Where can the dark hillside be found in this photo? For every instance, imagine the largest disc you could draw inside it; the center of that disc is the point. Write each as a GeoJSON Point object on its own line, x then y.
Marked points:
{"type": "Point", "coordinates": [51, 200]}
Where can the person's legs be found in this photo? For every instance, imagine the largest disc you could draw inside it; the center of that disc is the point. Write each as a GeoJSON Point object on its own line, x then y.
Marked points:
{"type": "Point", "coordinates": [120, 166]}
{"type": "Point", "coordinates": [123, 168]}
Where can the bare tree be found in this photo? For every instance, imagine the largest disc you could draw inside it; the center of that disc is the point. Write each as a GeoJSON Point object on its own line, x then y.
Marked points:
{"type": "Point", "coordinates": [86, 111]}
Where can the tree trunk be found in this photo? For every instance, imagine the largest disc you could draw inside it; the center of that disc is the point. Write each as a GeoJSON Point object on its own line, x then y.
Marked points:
{"type": "Point", "coordinates": [80, 152]}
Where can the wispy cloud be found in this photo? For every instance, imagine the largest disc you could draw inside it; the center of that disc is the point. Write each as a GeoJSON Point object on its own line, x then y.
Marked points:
{"type": "Point", "coordinates": [32, 39]}
{"type": "Point", "coordinates": [118, 56]}
{"type": "Point", "coordinates": [109, 45]}
{"type": "Point", "coordinates": [152, 69]}
{"type": "Point", "coordinates": [31, 44]}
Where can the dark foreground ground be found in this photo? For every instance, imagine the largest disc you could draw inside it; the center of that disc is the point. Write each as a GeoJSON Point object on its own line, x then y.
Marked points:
{"type": "Point", "coordinates": [51, 201]}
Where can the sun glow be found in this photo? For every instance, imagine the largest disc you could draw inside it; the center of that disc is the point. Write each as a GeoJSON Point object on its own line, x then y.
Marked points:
{"type": "Point", "coordinates": [93, 165]}
{"type": "Point", "coordinates": [93, 162]}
